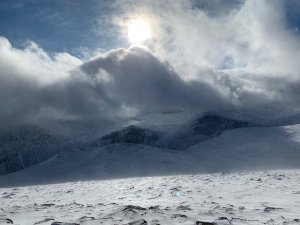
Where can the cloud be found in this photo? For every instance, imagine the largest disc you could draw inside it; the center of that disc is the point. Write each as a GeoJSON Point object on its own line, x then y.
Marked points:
{"type": "Point", "coordinates": [118, 83]}
{"type": "Point", "coordinates": [136, 78]}
{"type": "Point", "coordinates": [25, 74]}
{"type": "Point", "coordinates": [253, 35]}
{"type": "Point", "coordinates": [202, 57]}
{"type": "Point", "coordinates": [245, 43]}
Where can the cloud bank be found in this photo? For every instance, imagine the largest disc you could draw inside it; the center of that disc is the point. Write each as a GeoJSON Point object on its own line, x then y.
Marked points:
{"type": "Point", "coordinates": [205, 57]}
{"type": "Point", "coordinates": [246, 49]}
{"type": "Point", "coordinates": [119, 83]}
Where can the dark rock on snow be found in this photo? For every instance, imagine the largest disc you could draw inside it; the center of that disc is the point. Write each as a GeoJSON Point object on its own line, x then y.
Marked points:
{"type": "Point", "coordinates": [138, 222]}
{"type": "Point", "coordinates": [6, 221]}
{"type": "Point", "coordinates": [63, 223]}
{"type": "Point", "coordinates": [132, 208]}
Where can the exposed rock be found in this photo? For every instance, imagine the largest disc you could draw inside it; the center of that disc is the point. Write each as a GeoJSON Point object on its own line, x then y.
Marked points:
{"type": "Point", "coordinates": [154, 207]}
{"type": "Point", "coordinates": [130, 135]}
{"type": "Point", "coordinates": [176, 188]}
{"type": "Point", "coordinates": [132, 208]}
{"type": "Point", "coordinates": [63, 223]}
{"type": "Point", "coordinates": [86, 218]}
{"type": "Point", "coordinates": [179, 215]}
{"type": "Point", "coordinates": [182, 207]}
{"type": "Point", "coordinates": [269, 209]}
{"type": "Point", "coordinates": [223, 219]}
{"type": "Point", "coordinates": [47, 204]}
{"type": "Point", "coordinates": [138, 222]}
{"type": "Point", "coordinates": [6, 221]}
{"type": "Point", "coordinates": [155, 222]}
{"type": "Point", "coordinates": [219, 221]}
{"type": "Point", "coordinates": [204, 223]}
{"type": "Point", "coordinates": [43, 221]}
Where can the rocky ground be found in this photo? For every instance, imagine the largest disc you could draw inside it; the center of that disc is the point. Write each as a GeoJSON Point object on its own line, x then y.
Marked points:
{"type": "Point", "coordinates": [222, 198]}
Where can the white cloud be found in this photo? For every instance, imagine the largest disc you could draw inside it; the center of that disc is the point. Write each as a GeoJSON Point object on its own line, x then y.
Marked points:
{"type": "Point", "coordinates": [252, 35]}
{"type": "Point", "coordinates": [34, 63]}
{"type": "Point", "coordinates": [242, 57]}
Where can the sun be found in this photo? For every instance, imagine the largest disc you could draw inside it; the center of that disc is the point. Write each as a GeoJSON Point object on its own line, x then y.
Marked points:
{"type": "Point", "coordinates": [138, 31]}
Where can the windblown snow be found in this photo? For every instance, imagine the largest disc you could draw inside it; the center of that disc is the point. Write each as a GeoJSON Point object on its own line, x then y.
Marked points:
{"type": "Point", "coordinates": [223, 198]}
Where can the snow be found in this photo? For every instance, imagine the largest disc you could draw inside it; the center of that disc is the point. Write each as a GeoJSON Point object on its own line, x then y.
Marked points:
{"type": "Point", "coordinates": [260, 148]}
{"type": "Point", "coordinates": [268, 197]}
{"type": "Point", "coordinates": [27, 145]}
{"type": "Point", "coordinates": [161, 132]}
{"type": "Point", "coordinates": [234, 150]}
{"type": "Point", "coordinates": [229, 172]}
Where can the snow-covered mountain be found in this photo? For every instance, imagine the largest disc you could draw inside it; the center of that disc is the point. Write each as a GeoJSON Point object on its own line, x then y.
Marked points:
{"type": "Point", "coordinates": [153, 144]}
{"type": "Point", "coordinates": [204, 127]}
{"type": "Point", "coordinates": [27, 145]}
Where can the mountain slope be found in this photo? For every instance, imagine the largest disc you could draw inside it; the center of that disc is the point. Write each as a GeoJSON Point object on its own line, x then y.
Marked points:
{"type": "Point", "coordinates": [130, 135]}
{"type": "Point", "coordinates": [181, 136]}
{"type": "Point", "coordinates": [25, 146]}
{"type": "Point", "coordinates": [161, 143]}
{"type": "Point", "coordinates": [238, 149]}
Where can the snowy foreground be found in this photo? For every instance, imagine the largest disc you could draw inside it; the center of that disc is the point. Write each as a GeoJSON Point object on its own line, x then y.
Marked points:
{"type": "Point", "coordinates": [243, 198]}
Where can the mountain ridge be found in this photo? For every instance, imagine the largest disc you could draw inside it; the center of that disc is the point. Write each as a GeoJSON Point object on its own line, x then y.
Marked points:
{"type": "Point", "coordinates": [197, 142]}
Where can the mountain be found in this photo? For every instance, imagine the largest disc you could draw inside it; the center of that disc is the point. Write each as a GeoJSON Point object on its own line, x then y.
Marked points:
{"type": "Point", "coordinates": [130, 135]}
{"type": "Point", "coordinates": [165, 143]}
{"type": "Point", "coordinates": [27, 145]}
{"type": "Point", "coordinates": [24, 146]}
{"type": "Point", "coordinates": [194, 131]}
{"type": "Point", "coordinates": [204, 127]}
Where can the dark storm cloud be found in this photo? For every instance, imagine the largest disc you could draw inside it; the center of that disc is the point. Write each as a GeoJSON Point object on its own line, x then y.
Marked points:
{"type": "Point", "coordinates": [118, 84]}
{"type": "Point", "coordinates": [138, 79]}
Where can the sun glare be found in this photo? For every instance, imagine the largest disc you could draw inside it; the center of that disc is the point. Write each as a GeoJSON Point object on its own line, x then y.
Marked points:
{"type": "Point", "coordinates": [138, 31]}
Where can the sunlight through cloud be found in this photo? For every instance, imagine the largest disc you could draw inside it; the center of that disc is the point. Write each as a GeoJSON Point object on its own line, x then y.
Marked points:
{"type": "Point", "coordinates": [138, 31]}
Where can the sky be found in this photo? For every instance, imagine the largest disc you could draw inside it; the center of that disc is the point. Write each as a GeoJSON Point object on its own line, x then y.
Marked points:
{"type": "Point", "coordinates": [59, 25]}
{"type": "Point", "coordinates": [74, 59]}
